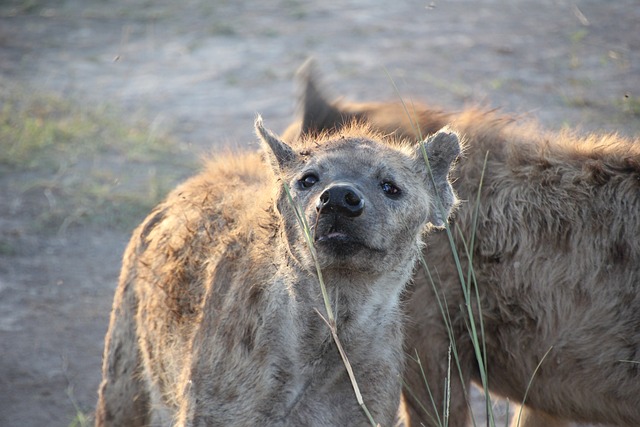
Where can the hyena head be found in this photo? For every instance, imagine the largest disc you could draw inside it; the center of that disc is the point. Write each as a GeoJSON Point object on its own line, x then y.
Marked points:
{"type": "Point", "coordinates": [366, 201]}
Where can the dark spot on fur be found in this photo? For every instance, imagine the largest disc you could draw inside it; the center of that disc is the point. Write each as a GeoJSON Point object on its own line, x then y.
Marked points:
{"type": "Point", "coordinates": [154, 219]}
{"type": "Point", "coordinates": [582, 298]}
{"type": "Point", "coordinates": [280, 375]}
{"type": "Point", "coordinates": [247, 339]}
{"type": "Point", "coordinates": [632, 165]}
{"type": "Point", "coordinates": [255, 295]}
{"type": "Point", "coordinates": [544, 164]}
{"type": "Point", "coordinates": [619, 252]}
{"type": "Point", "coordinates": [597, 171]}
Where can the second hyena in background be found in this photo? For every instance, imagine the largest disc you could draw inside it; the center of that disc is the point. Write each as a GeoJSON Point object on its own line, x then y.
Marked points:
{"type": "Point", "coordinates": [554, 219]}
{"type": "Point", "coordinates": [217, 316]}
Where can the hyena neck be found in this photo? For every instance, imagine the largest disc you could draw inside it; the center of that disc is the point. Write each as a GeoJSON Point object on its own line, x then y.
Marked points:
{"type": "Point", "coordinates": [364, 306]}
{"type": "Point", "coordinates": [369, 329]}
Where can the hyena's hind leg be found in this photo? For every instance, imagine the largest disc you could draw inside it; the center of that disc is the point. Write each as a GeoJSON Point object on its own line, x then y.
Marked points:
{"type": "Point", "coordinates": [123, 397]}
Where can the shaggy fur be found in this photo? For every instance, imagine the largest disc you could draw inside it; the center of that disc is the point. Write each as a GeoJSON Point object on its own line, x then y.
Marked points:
{"type": "Point", "coordinates": [216, 319]}
{"type": "Point", "coordinates": [551, 221]}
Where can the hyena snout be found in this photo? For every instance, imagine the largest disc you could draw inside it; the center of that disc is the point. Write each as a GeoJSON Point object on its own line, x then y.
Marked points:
{"type": "Point", "coordinates": [342, 199]}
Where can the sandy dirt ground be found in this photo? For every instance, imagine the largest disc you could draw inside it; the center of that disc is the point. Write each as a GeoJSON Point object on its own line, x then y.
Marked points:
{"type": "Point", "coordinates": [200, 71]}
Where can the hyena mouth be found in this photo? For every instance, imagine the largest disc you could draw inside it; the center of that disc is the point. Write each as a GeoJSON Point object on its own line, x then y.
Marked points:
{"type": "Point", "coordinates": [333, 235]}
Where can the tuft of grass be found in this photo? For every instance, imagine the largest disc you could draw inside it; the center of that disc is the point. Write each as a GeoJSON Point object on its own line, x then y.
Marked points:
{"type": "Point", "coordinates": [73, 165]}
{"type": "Point", "coordinates": [80, 418]}
{"type": "Point", "coordinates": [474, 323]}
{"type": "Point", "coordinates": [48, 133]}
{"type": "Point", "coordinates": [467, 280]}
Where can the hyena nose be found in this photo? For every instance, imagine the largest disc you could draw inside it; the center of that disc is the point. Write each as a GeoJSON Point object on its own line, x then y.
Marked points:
{"type": "Point", "coordinates": [341, 199]}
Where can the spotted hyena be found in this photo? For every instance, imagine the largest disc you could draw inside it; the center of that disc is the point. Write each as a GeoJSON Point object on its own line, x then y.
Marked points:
{"type": "Point", "coordinates": [218, 317]}
{"type": "Point", "coordinates": [548, 247]}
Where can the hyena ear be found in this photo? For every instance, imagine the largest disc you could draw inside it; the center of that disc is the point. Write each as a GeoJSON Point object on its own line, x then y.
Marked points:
{"type": "Point", "coordinates": [279, 154]}
{"type": "Point", "coordinates": [315, 113]}
{"type": "Point", "coordinates": [441, 149]}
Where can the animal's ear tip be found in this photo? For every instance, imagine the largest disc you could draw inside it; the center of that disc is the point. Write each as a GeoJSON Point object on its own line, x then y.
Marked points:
{"type": "Point", "coordinates": [446, 133]}
{"type": "Point", "coordinates": [307, 69]}
{"type": "Point", "coordinates": [447, 140]}
{"type": "Point", "coordinates": [260, 130]}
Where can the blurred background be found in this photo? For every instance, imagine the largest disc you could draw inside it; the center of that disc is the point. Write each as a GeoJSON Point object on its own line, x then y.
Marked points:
{"type": "Point", "coordinates": [106, 104]}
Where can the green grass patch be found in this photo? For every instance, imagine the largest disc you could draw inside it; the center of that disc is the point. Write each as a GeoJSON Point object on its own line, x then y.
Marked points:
{"type": "Point", "coordinates": [69, 164]}
{"type": "Point", "coordinates": [80, 418]}
{"type": "Point", "coordinates": [46, 132]}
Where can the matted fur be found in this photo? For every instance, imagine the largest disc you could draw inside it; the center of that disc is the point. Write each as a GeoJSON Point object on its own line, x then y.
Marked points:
{"type": "Point", "coordinates": [556, 259]}
{"type": "Point", "coordinates": [216, 318]}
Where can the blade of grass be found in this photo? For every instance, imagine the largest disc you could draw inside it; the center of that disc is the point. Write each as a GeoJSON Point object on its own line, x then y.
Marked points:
{"type": "Point", "coordinates": [526, 392]}
{"type": "Point", "coordinates": [347, 365]}
{"type": "Point", "coordinates": [330, 319]}
{"type": "Point", "coordinates": [412, 120]}
{"type": "Point", "coordinates": [426, 383]}
{"type": "Point", "coordinates": [478, 342]}
{"type": "Point", "coordinates": [302, 221]}
{"type": "Point", "coordinates": [474, 336]}
{"type": "Point", "coordinates": [471, 280]}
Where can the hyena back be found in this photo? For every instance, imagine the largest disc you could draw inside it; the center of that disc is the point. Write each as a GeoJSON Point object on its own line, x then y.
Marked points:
{"type": "Point", "coordinates": [216, 319]}
{"type": "Point", "coordinates": [554, 218]}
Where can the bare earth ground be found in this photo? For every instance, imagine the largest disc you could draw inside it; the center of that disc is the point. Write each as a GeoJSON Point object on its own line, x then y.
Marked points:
{"type": "Point", "coordinates": [200, 70]}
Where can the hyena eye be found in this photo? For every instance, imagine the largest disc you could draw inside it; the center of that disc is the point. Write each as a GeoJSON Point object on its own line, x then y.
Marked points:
{"type": "Point", "coordinates": [308, 180]}
{"type": "Point", "coordinates": [390, 189]}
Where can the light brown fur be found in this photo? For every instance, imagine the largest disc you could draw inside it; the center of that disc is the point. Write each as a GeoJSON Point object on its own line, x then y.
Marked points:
{"type": "Point", "coordinates": [216, 320]}
{"type": "Point", "coordinates": [555, 260]}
